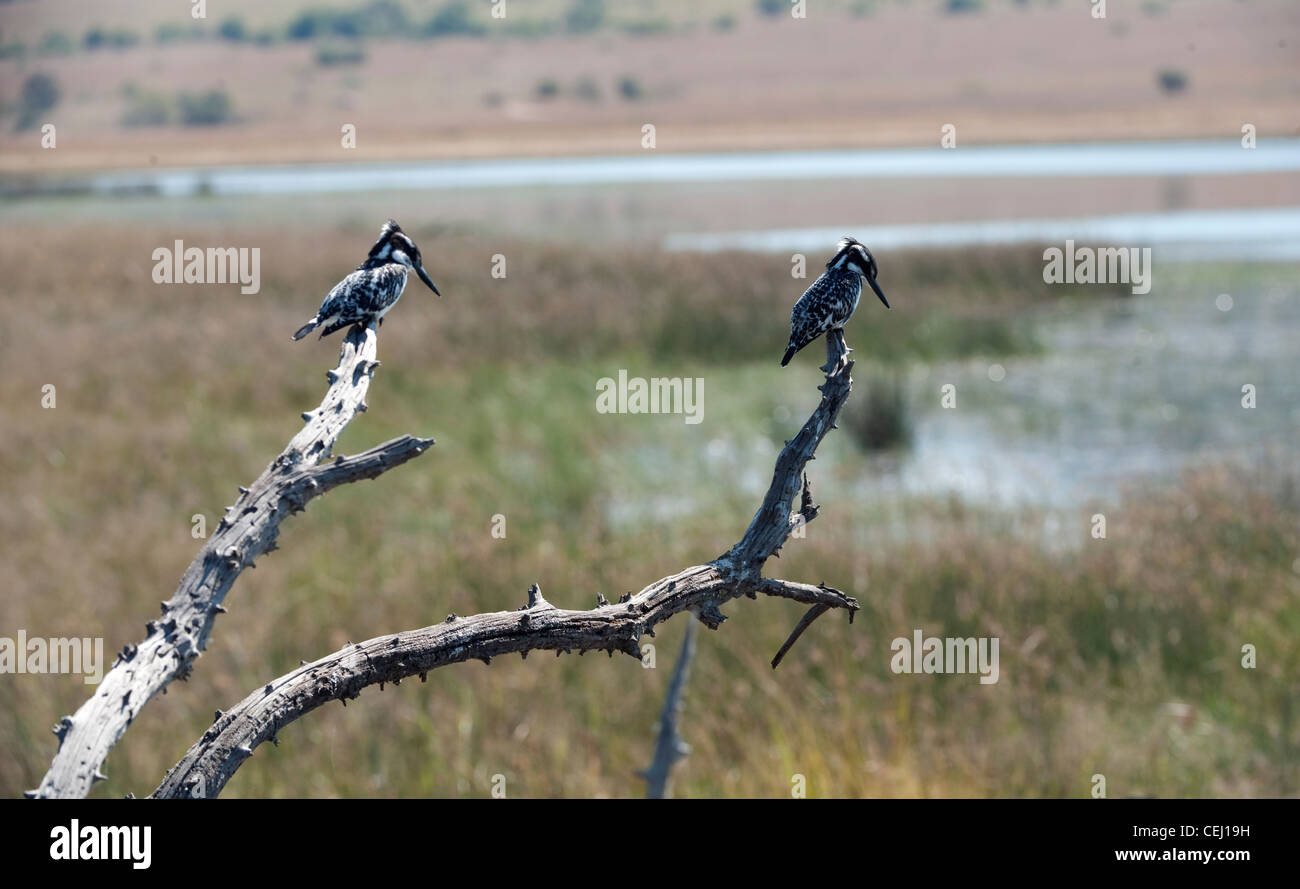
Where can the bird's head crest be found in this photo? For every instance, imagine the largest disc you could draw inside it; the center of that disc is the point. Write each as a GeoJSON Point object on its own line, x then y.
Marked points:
{"type": "Point", "coordinates": [391, 237]}
{"type": "Point", "coordinates": [853, 255]}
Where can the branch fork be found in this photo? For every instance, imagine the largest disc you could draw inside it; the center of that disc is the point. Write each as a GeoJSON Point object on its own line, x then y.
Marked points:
{"type": "Point", "coordinates": [247, 530]}
{"type": "Point", "coordinates": [540, 625]}
{"type": "Point", "coordinates": [296, 476]}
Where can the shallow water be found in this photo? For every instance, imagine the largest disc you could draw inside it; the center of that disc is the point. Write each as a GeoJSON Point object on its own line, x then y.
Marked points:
{"type": "Point", "coordinates": [1175, 158]}
{"type": "Point", "coordinates": [1124, 390]}
{"type": "Point", "coordinates": [1270, 233]}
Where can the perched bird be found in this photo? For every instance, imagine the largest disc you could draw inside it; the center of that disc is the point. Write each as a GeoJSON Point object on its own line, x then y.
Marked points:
{"type": "Point", "coordinates": [831, 300]}
{"type": "Point", "coordinates": [367, 294]}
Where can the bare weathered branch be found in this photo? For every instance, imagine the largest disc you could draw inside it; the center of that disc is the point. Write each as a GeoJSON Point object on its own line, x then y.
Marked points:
{"type": "Point", "coordinates": [804, 623]}
{"type": "Point", "coordinates": [248, 529]}
{"type": "Point", "coordinates": [775, 519]}
{"type": "Point", "coordinates": [539, 625]}
{"type": "Point", "coordinates": [669, 745]}
{"type": "Point", "coordinates": [613, 627]}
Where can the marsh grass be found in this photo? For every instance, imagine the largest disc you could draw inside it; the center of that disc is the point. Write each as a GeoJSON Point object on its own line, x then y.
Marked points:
{"type": "Point", "coordinates": [1118, 656]}
{"type": "Point", "coordinates": [879, 418]}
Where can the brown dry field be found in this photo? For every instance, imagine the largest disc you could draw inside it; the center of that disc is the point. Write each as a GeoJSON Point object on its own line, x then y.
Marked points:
{"type": "Point", "coordinates": [891, 78]}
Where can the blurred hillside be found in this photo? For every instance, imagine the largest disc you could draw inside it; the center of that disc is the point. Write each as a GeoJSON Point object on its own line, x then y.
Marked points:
{"type": "Point", "coordinates": [140, 82]}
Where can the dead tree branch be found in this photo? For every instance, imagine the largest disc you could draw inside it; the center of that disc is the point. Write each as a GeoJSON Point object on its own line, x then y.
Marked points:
{"type": "Point", "coordinates": [539, 625]}
{"type": "Point", "coordinates": [249, 529]}
{"type": "Point", "coordinates": [669, 744]}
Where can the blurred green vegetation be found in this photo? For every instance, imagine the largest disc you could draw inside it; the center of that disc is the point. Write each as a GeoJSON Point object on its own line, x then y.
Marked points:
{"type": "Point", "coordinates": [310, 20]}
{"type": "Point", "coordinates": [1119, 657]}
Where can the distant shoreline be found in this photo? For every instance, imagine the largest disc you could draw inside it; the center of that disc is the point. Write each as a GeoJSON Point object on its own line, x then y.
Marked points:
{"type": "Point", "coordinates": [252, 146]}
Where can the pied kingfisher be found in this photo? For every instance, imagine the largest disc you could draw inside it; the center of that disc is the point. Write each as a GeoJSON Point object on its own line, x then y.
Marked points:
{"type": "Point", "coordinates": [366, 295]}
{"type": "Point", "coordinates": [831, 300]}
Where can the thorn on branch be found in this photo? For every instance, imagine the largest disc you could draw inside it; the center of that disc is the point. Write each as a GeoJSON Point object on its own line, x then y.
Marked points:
{"type": "Point", "coordinates": [710, 616]}
{"type": "Point", "coordinates": [806, 505]}
{"type": "Point", "coordinates": [535, 598]}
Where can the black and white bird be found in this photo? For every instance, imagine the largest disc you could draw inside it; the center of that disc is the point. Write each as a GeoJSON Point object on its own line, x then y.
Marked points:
{"type": "Point", "coordinates": [831, 300]}
{"type": "Point", "coordinates": [366, 295]}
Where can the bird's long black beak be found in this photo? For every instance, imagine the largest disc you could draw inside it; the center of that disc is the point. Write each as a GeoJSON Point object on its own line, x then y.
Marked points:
{"type": "Point", "coordinates": [876, 287]}
{"type": "Point", "coordinates": [424, 276]}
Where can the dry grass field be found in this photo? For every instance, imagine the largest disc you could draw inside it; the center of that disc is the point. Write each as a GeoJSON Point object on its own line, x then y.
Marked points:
{"type": "Point", "coordinates": [1119, 657]}
{"type": "Point", "coordinates": [849, 75]}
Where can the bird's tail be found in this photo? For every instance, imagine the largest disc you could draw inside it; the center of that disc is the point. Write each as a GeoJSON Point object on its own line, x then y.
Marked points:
{"type": "Point", "coordinates": [306, 329]}
{"type": "Point", "coordinates": [789, 353]}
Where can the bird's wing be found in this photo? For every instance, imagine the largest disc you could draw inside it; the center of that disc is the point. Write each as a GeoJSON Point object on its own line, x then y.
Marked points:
{"type": "Point", "coordinates": [342, 297]}
{"type": "Point", "coordinates": [816, 307]}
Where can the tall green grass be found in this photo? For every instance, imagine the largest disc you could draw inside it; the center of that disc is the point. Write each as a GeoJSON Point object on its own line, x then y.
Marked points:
{"type": "Point", "coordinates": [1119, 657]}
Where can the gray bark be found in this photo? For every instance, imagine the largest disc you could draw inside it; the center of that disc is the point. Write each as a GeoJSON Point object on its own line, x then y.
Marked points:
{"type": "Point", "coordinates": [538, 625]}
{"type": "Point", "coordinates": [669, 744]}
{"type": "Point", "coordinates": [249, 529]}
